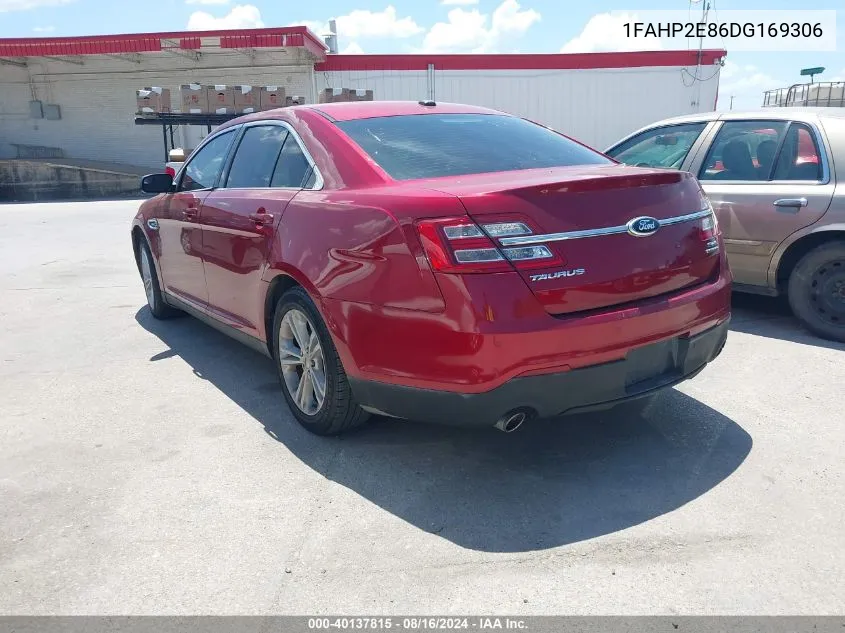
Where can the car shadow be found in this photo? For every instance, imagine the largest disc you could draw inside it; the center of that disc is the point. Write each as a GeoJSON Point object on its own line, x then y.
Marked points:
{"type": "Point", "coordinates": [771, 317]}
{"type": "Point", "coordinates": [551, 483]}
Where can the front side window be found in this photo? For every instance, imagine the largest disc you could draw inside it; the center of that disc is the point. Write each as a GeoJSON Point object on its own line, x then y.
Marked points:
{"type": "Point", "coordinates": [743, 151]}
{"type": "Point", "coordinates": [205, 166]}
{"type": "Point", "coordinates": [256, 156]}
{"type": "Point", "coordinates": [435, 145]}
{"type": "Point", "coordinates": [664, 147]}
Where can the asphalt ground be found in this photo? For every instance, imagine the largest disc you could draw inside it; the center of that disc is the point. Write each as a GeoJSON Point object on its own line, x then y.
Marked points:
{"type": "Point", "coordinates": [153, 467]}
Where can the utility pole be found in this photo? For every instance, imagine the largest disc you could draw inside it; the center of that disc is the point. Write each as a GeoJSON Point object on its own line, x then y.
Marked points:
{"type": "Point", "coordinates": [732, 102]}
{"type": "Point", "coordinates": [705, 8]}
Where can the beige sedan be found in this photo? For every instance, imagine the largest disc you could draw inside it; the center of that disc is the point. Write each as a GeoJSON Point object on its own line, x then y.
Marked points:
{"type": "Point", "coordinates": [771, 176]}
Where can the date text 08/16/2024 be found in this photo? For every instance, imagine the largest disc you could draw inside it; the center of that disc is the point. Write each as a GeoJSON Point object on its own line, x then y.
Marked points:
{"type": "Point", "coordinates": [417, 623]}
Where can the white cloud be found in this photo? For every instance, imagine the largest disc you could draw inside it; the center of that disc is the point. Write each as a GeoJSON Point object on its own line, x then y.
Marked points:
{"type": "Point", "coordinates": [365, 23]}
{"type": "Point", "coordinates": [458, 2]}
{"type": "Point", "coordinates": [467, 31]}
{"type": "Point", "coordinates": [603, 33]}
{"type": "Point", "coordinates": [44, 29]}
{"type": "Point", "coordinates": [318, 28]}
{"type": "Point", "coordinates": [242, 16]}
{"type": "Point", "coordinates": [206, 1]}
{"type": "Point", "coordinates": [353, 48]}
{"type": "Point", "coordinates": [746, 83]}
{"type": "Point", "coordinates": [7, 6]}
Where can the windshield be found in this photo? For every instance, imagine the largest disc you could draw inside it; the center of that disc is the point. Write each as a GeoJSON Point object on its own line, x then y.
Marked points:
{"type": "Point", "coordinates": [434, 145]}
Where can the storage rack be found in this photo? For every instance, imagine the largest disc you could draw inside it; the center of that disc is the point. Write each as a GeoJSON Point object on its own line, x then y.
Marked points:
{"type": "Point", "coordinates": [168, 120]}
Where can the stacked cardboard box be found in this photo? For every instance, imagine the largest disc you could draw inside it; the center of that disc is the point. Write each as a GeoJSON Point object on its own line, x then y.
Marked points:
{"type": "Point", "coordinates": [339, 95]}
{"type": "Point", "coordinates": [360, 95]}
{"type": "Point", "coordinates": [246, 99]}
{"type": "Point", "coordinates": [152, 100]}
{"type": "Point", "coordinates": [272, 97]}
{"type": "Point", "coordinates": [194, 99]}
{"type": "Point", "coordinates": [334, 95]}
{"type": "Point", "coordinates": [221, 99]}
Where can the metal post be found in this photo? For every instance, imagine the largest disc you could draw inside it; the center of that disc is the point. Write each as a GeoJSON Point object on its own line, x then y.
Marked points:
{"type": "Point", "coordinates": [172, 144]}
{"type": "Point", "coordinates": [164, 136]}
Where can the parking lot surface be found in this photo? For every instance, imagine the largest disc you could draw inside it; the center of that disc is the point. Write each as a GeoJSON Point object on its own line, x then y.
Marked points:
{"type": "Point", "coordinates": [152, 467]}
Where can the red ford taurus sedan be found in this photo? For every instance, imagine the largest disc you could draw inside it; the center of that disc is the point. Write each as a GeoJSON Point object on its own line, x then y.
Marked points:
{"type": "Point", "coordinates": [437, 262]}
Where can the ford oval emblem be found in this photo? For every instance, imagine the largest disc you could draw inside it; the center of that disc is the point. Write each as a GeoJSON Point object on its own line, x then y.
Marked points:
{"type": "Point", "coordinates": [643, 226]}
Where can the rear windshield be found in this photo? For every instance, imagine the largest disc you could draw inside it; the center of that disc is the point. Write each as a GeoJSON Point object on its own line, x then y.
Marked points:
{"type": "Point", "coordinates": [435, 145]}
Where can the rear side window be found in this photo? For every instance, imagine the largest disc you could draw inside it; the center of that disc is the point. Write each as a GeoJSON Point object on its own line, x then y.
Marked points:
{"type": "Point", "coordinates": [256, 156]}
{"type": "Point", "coordinates": [292, 168]}
{"type": "Point", "coordinates": [204, 166]}
{"type": "Point", "coordinates": [799, 156]}
{"type": "Point", "coordinates": [665, 147]}
{"type": "Point", "coordinates": [435, 145]}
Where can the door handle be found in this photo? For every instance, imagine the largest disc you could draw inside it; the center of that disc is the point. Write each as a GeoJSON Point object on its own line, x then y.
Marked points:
{"type": "Point", "coordinates": [190, 213]}
{"type": "Point", "coordinates": [261, 217]}
{"type": "Point", "coordinates": [791, 203]}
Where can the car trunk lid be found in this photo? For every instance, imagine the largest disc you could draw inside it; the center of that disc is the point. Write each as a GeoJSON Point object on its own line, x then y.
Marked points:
{"type": "Point", "coordinates": [618, 234]}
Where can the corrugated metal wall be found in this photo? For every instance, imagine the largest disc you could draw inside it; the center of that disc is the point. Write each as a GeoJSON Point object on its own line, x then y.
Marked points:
{"type": "Point", "coordinates": [596, 106]}
{"type": "Point", "coordinates": [98, 99]}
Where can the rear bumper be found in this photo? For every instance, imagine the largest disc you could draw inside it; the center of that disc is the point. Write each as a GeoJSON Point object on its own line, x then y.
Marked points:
{"type": "Point", "coordinates": [645, 370]}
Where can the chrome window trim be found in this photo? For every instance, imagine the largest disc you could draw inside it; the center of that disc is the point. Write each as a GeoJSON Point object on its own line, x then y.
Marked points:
{"type": "Point", "coordinates": [318, 177]}
{"type": "Point", "coordinates": [608, 230]}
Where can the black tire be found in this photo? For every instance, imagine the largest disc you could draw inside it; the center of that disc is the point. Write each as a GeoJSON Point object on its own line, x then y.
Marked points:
{"type": "Point", "coordinates": [155, 300]}
{"type": "Point", "coordinates": [339, 411]}
{"type": "Point", "coordinates": [816, 290]}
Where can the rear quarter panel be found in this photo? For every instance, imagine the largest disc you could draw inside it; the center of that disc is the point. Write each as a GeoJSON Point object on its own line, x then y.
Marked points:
{"type": "Point", "coordinates": [360, 249]}
{"type": "Point", "coordinates": [833, 131]}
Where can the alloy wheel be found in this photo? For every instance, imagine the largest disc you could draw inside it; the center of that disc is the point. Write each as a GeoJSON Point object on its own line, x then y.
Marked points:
{"type": "Point", "coordinates": [147, 277]}
{"type": "Point", "coordinates": [302, 361]}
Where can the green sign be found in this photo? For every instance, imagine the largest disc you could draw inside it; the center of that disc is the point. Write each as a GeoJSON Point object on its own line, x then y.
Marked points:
{"type": "Point", "coordinates": [812, 71]}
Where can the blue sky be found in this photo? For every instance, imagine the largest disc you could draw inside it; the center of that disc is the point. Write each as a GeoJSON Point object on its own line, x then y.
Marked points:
{"type": "Point", "coordinates": [393, 26]}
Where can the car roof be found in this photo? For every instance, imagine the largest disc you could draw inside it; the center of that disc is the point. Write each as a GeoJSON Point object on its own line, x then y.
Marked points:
{"type": "Point", "coordinates": [789, 113]}
{"type": "Point", "coordinates": [763, 114]}
{"type": "Point", "coordinates": [351, 110]}
{"type": "Point", "coordinates": [354, 110]}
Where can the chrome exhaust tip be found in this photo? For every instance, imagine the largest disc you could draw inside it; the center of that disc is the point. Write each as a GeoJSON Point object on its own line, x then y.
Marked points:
{"type": "Point", "coordinates": [510, 422]}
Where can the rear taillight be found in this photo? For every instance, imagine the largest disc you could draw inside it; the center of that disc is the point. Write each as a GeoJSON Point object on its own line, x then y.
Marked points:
{"type": "Point", "coordinates": [170, 171]}
{"type": "Point", "coordinates": [458, 245]}
{"type": "Point", "coordinates": [708, 229]}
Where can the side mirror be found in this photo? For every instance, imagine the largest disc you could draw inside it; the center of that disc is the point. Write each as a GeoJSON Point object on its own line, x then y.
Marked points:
{"type": "Point", "coordinates": [157, 183]}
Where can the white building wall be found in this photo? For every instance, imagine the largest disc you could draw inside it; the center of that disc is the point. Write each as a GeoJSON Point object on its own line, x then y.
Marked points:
{"type": "Point", "coordinates": [595, 106]}
{"type": "Point", "coordinates": [97, 99]}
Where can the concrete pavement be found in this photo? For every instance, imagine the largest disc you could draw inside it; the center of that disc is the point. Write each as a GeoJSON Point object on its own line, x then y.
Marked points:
{"type": "Point", "coordinates": [153, 468]}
